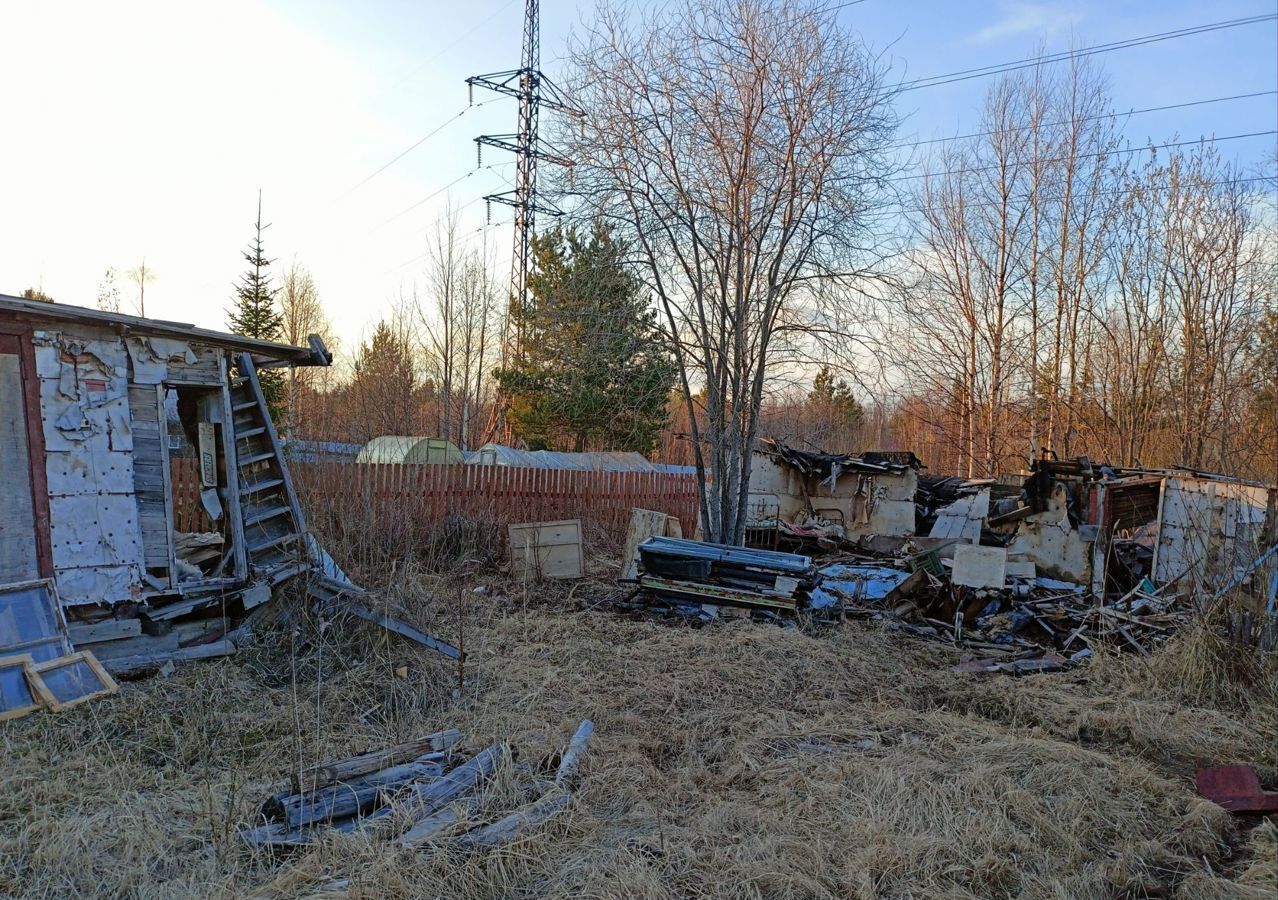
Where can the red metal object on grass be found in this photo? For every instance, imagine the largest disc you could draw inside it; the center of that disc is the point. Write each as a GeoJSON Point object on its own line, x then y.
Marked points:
{"type": "Point", "coordinates": [1236, 788]}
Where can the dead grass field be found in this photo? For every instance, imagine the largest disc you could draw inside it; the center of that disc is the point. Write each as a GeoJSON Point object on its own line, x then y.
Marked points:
{"type": "Point", "coordinates": [735, 761]}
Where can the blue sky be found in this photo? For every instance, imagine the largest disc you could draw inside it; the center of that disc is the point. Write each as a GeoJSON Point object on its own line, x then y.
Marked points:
{"type": "Point", "coordinates": [145, 128]}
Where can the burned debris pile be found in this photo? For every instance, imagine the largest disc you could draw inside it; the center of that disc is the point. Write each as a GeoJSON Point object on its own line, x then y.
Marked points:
{"type": "Point", "coordinates": [416, 793]}
{"type": "Point", "coordinates": [1020, 623]}
{"type": "Point", "coordinates": [1023, 573]}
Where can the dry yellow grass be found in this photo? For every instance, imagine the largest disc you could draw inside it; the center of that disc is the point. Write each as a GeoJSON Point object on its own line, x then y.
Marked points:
{"type": "Point", "coordinates": [736, 761]}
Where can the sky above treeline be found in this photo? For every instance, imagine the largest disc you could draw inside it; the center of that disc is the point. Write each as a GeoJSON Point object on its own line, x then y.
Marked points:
{"type": "Point", "coordinates": [144, 130]}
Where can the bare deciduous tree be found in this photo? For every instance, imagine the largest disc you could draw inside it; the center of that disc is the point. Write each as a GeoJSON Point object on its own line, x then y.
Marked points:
{"type": "Point", "coordinates": [301, 314]}
{"type": "Point", "coordinates": [1014, 229]}
{"type": "Point", "coordinates": [738, 147]}
{"type": "Point", "coordinates": [141, 276]}
{"type": "Point", "coordinates": [456, 319]}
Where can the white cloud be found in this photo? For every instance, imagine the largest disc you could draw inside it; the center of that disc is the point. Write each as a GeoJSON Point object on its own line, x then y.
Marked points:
{"type": "Point", "coordinates": [1036, 19]}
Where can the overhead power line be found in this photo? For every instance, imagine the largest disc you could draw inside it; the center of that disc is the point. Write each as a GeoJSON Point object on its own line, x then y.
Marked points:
{"type": "Point", "coordinates": [433, 194]}
{"type": "Point", "coordinates": [430, 134]}
{"type": "Point", "coordinates": [1114, 115]}
{"type": "Point", "coordinates": [1167, 146]}
{"type": "Point", "coordinates": [1060, 56]}
{"type": "Point", "coordinates": [466, 240]}
{"type": "Point", "coordinates": [453, 43]}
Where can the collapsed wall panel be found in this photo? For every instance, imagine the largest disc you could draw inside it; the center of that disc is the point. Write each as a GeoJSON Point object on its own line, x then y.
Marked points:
{"type": "Point", "coordinates": [863, 503]}
{"type": "Point", "coordinates": [1210, 532]}
{"type": "Point", "coordinates": [1050, 541]}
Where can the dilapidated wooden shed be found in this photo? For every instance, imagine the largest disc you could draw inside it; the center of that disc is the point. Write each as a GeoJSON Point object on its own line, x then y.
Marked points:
{"type": "Point", "coordinates": [113, 430]}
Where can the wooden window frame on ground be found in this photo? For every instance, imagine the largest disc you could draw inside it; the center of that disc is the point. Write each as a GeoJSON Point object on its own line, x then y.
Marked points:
{"type": "Point", "coordinates": [36, 687]}
{"type": "Point", "coordinates": [85, 656]}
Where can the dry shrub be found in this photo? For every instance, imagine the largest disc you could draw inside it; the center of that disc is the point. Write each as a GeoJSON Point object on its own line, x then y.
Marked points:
{"type": "Point", "coordinates": [1200, 665]}
{"type": "Point", "coordinates": [1258, 881]}
{"type": "Point", "coordinates": [730, 761]}
{"type": "Point", "coordinates": [370, 536]}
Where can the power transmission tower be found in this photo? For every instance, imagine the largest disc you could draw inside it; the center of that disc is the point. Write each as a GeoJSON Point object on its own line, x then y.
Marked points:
{"type": "Point", "coordinates": [535, 92]}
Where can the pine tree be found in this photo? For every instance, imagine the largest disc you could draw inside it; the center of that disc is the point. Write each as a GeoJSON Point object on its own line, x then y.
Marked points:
{"type": "Point", "coordinates": [836, 410]}
{"type": "Point", "coordinates": [594, 373]}
{"type": "Point", "coordinates": [254, 314]}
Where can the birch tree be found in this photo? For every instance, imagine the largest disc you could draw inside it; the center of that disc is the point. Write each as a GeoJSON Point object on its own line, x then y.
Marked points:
{"type": "Point", "coordinates": [456, 318]}
{"type": "Point", "coordinates": [738, 147]}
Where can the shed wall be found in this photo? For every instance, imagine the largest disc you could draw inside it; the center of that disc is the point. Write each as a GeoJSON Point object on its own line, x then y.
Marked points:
{"type": "Point", "coordinates": [19, 559]}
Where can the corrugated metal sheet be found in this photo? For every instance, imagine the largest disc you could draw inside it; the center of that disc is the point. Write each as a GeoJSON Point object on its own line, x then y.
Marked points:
{"type": "Point", "coordinates": [320, 451]}
{"type": "Point", "coordinates": [595, 461]}
{"type": "Point", "coordinates": [671, 469]}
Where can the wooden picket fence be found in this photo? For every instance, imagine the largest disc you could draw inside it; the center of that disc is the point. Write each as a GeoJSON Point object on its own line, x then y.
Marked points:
{"type": "Point", "coordinates": [427, 494]}
{"type": "Point", "coordinates": [188, 514]}
{"type": "Point", "coordinates": [504, 495]}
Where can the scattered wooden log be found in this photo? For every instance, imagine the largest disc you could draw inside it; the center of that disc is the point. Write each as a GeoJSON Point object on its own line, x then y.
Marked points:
{"type": "Point", "coordinates": [278, 835]}
{"type": "Point", "coordinates": [417, 793]}
{"type": "Point", "coordinates": [430, 827]}
{"type": "Point", "coordinates": [576, 749]}
{"type": "Point", "coordinates": [512, 826]}
{"type": "Point", "coordinates": [423, 801]}
{"type": "Point", "coordinates": [551, 804]}
{"type": "Point", "coordinates": [422, 749]}
{"type": "Point", "coordinates": [338, 801]}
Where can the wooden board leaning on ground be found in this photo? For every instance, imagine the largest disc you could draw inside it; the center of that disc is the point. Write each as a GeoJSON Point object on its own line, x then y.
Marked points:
{"type": "Point", "coordinates": [546, 550]}
{"type": "Point", "coordinates": [645, 523]}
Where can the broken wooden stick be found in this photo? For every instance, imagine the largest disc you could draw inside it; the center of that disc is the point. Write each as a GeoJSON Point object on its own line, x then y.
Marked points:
{"type": "Point", "coordinates": [536, 814]}
{"type": "Point", "coordinates": [331, 594]}
{"type": "Point", "coordinates": [428, 828]}
{"type": "Point", "coordinates": [509, 828]}
{"type": "Point", "coordinates": [576, 749]}
{"type": "Point", "coordinates": [324, 774]}
{"type": "Point", "coordinates": [427, 799]}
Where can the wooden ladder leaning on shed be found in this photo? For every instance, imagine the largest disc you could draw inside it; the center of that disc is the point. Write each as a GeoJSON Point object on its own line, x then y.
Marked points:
{"type": "Point", "coordinates": [273, 526]}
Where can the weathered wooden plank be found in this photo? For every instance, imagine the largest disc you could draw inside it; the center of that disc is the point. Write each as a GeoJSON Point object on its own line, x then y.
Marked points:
{"type": "Point", "coordinates": [425, 800]}
{"type": "Point", "coordinates": [106, 630]}
{"type": "Point", "coordinates": [399, 627]}
{"type": "Point", "coordinates": [123, 664]}
{"type": "Point", "coordinates": [351, 767]}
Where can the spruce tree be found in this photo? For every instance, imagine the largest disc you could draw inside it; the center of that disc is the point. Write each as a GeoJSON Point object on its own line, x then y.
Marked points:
{"type": "Point", "coordinates": [594, 373]}
{"type": "Point", "coordinates": [254, 313]}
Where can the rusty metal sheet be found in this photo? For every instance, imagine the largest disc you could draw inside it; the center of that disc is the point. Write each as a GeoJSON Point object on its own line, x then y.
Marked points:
{"type": "Point", "coordinates": [1236, 788]}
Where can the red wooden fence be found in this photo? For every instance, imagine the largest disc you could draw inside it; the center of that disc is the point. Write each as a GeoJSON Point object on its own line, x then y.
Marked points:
{"type": "Point", "coordinates": [188, 514]}
{"type": "Point", "coordinates": [426, 494]}
{"type": "Point", "coordinates": [429, 493]}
